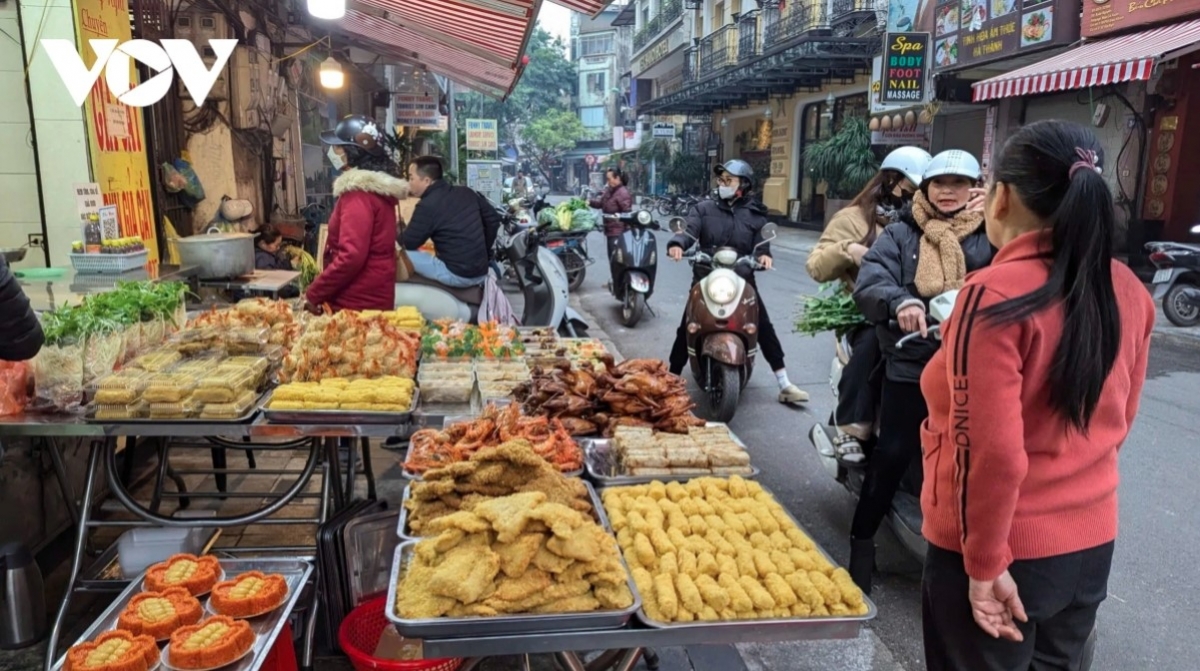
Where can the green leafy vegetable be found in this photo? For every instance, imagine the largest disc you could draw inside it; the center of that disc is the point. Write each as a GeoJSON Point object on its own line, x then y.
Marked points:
{"type": "Point", "coordinates": [832, 308]}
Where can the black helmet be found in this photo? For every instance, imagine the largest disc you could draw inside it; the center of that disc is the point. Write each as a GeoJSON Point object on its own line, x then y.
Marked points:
{"type": "Point", "coordinates": [736, 167]}
{"type": "Point", "coordinates": [358, 131]}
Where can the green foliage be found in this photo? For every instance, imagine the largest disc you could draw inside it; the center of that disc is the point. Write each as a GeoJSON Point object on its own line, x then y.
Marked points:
{"type": "Point", "coordinates": [832, 308]}
{"type": "Point", "coordinates": [686, 173]}
{"type": "Point", "coordinates": [551, 135]}
{"type": "Point", "coordinates": [129, 303]}
{"type": "Point", "coordinates": [844, 161]}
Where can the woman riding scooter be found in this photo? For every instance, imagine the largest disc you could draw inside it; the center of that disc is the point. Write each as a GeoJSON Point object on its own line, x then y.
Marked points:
{"type": "Point", "coordinates": [837, 256]}
{"type": "Point", "coordinates": [614, 200]}
{"type": "Point", "coordinates": [929, 252]}
{"type": "Point", "coordinates": [735, 219]}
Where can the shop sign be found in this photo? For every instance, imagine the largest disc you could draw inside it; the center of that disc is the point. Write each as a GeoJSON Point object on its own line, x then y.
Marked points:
{"type": "Point", "coordinates": [482, 135]}
{"type": "Point", "coordinates": [1106, 16]}
{"type": "Point", "coordinates": [487, 177]}
{"type": "Point", "coordinates": [973, 32]}
{"type": "Point", "coordinates": [781, 142]}
{"type": "Point", "coordinates": [418, 111]}
{"type": "Point", "coordinates": [989, 142]}
{"type": "Point", "coordinates": [664, 130]}
{"type": "Point", "coordinates": [654, 54]}
{"type": "Point", "coordinates": [908, 136]}
{"type": "Point", "coordinates": [905, 67]}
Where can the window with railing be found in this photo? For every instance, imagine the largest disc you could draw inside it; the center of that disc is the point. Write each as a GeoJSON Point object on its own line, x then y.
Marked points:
{"type": "Point", "coordinates": [719, 50]}
{"type": "Point", "coordinates": [790, 23]}
{"type": "Point", "coordinates": [691, 64]}
{"type": "Point", "coordinates": [843, 7]}
{"type": "Point", "coordinates": [668, 12]}
{"type": "Point", "coordinates": [748, 36]}
{"type": "Point", "coordinates": [596, 45]}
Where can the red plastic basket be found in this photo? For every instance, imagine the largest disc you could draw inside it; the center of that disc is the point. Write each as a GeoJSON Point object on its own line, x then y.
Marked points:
{"type": "Point", "coordinates": [360, 632]}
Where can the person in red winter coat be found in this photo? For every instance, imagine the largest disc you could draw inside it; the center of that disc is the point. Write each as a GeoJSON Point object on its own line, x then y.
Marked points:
{"type": "Point", "coordinates": [360, 251]}
{"type": "Point", "coordinates": [614, 200]}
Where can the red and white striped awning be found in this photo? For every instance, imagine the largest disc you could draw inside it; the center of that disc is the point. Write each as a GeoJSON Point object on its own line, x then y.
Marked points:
{"type": "Point", "coordinates": [1108, 61]}
{"type": "Point", "coordinates": [495, 30]}
{"type": "Point", "coordinates": [589, 7]}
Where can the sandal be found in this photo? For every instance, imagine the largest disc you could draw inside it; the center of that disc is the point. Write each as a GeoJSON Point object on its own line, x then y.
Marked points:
{"type": "Point", "coordinates": [848, 450]}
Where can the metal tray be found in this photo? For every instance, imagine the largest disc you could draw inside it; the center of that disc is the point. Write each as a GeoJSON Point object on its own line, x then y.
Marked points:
{"type": "Point", "coordinates": [851, 622]}
{"type": "Point", "coordinates": [266, 628]}
{"type": "Point", "coordinates": [503, 625]}
{"type": "Point", "coordinates": [90, 417]}
{"type": "Point", "coordinates": [339, 416]}
{"type": "Point", "coordinates": [597, 460]}
{"type": "Point", "coordinates": [454, 419]}
{"type": "Point", "coordinates": [597, 512]}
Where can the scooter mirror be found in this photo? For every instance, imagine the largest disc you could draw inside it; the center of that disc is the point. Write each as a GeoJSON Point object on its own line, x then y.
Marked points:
{"type": "Point", "coordinates": [768, 232]}
{"type": "Point", "coordinates": [677, 225]}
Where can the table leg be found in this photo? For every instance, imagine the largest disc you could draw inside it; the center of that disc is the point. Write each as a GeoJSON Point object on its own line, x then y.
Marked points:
{"type": "Point", "coordinates": [351, 468]}
{"type": "Point", "coordinates": [127, 465]}
{"type": "Point", "coordinates": [310, 624]}
{"type": "Point", "coordinates": [651, 658]}
{"type": "Point", "coordinates": [368, 469]}
{"type": "Point", "coordinates": [161, 477]}
{"type": "Point", "coordinates": [569, 661]}
{"type": "Point", "coordinates": [80, 542]}
{"type": "Point", "coordinates": [629, 659]}
{"type": "Point", "coordinates": [334, 472]}
{"type": "Point", "coordinates": [64, 482]}
{"type": "Point", "coordinates": [219, 462]}
{"type": "Point", "coordinates": [604, 660]}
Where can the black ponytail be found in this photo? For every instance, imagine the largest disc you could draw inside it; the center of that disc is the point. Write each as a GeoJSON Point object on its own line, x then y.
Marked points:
{"type": "Point", "coordinates": [1054, 166]}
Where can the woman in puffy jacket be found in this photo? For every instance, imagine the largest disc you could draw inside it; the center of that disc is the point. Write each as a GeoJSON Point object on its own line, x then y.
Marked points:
{"type": "Point", "coordinates": [360, 252]}
{"type": "Point", "coordinates": [837, 257]}
{"type": "Point", "coordinates": [21, 334]}
{"type": "Point", "coordinates": [614, 200]}
{"type": "Point", "coordinates": [929, 252]}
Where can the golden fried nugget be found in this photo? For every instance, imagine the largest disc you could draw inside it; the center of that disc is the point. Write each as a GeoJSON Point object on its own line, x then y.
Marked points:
{"type": "Point", "coordinates": [616, 518]}
{"type": "Point", "coordinates": [661, 541]}
{"type": "Point", "coordinates": [804, 589]}
{"type": "Point", "coordinates": [728, 564]}
{"type": "Point", "coordinates": [754, 488]}
{"type": "Point", "coordinates": [614, 597]}
{"type": "Point", "coordinates": [676, 492]}
{"type": "Point", "coordinates": [516, 556]}
{"type": "Point", "coordinates": [644, 550]}
{"type": "Point", "coordinates": [736, 540]}
{"type": "Point", "coordinates": [688, 505]}
{"type": "Point", "coordinates": [696, 545]}
{"type": "Point", "coordinates": [830, 594]}
{"type": "Point", "coordinates": [820, 611]}
{"type": "Point", "coordinates": [745, 564]}
{"type": "Point", "coordinates": [689, 595]}
{"type": "Point", "coordinates": [625, 537]}
{"type": "Point", "coordinates": [677, 537]}
{"type": "Point", "coordinates": [697, 525]}
{"type": "Point", "coordinates": [695, 489]}
{"type": "Point", "coordinates": [677, 521]}
{"type": "Point", "coordinates": [688, 563]}
{"type": "Point", "coordinates": [644, 582]}
{"type": "Point", "coordinates": [758, 594]}
{"type": "Point", "coordinates": [852, 596]}
{"type": "Point", "coordinates": [783, 562]}
{"type": "Point", "coordinates": [582, 544]}
{"type": "Point", "coordinates": [638, 523]}
{"type": "Point", "coordinates": [705, 508]}
{"type": "Point", "coordinates": [708, 614]}
{"type": "Point", "coordinates": [801, 609]}
{"type": "Point", "coordinates": [523, 586]}
{"type": "Point", "coordinates": [715, 523]}
{"type": "Point", "coordinates": [839, 609]}
{"type": "Point", "coordinates": [802, 559]}
{"type": "Point", "coordinates": [631, 557]}
{"type": "Point", "coordinates": [780, 541]}
{"type": "Point", "coordinates": [780, 591]}
{"type": "Point", "coordinates": [718, 542]}
{"type": "Point", "coordinates": [763, 563]}
{"type": "Point", "coordinates": [656, 519]}
{"type": "Point", "coordinates": [737, 487]}
{"type": "Point", "coordinates": [668, 564]}
{"type": "Point", "coordinates": [739, 600]}
{"type": "Point", "coordinates": [664, 594]}
{"type": "Point", "coordinates": [658, 490]}
{"type": "Point", "coordinates": [509, 515]}
{"type": "Point", "coordinates": [713, 594]}
{"type": "Point", "coordinates": [765, 520]}
{"type": "Point", "coordinates": [751, 523]}
{"type": "Point", "coordinates": [685, 615]}
{"type": "Point", "coordinates": [733, 522]}
{"type": "Point", "coordinates": [798, 539]}
{"type": "Point", "coordinates": [760, 541]}
{"type": "Point", "coordinates": [706, 564]}
{"type": "Point", "coordinates": [466, 572]}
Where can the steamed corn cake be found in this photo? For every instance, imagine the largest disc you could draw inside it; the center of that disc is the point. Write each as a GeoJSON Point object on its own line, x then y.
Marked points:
{"type": "Point", "coordinates": [387, 394]}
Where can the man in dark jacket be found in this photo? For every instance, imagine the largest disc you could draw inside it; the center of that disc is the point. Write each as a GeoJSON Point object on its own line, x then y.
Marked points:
{"type": "Point", "coordinates": [20, 332]}
{"type": "Point", "coordinates": [461, 223]}
{"type": "Point", "coordinates": [734, 219]}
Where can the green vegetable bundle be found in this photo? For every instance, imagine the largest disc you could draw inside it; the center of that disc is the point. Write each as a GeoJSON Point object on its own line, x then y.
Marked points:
{"type": "Point", "coordinates": [832, 308]}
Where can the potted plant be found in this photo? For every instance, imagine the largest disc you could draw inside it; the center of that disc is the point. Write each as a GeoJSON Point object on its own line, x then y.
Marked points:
{"type": "Point", "coordinates": [844, 162]}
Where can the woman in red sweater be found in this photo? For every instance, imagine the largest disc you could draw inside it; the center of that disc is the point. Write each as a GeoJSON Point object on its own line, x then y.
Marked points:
{"type": "Point", "coordinates": [1029, 399]}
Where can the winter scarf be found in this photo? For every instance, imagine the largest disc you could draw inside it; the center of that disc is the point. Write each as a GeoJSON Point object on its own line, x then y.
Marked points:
{"type": "Point", "coordinates": [941, 265]}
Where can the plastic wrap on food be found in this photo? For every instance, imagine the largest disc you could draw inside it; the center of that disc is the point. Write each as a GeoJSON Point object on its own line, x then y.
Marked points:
{"type": "Point", "coordinates": [232, 410]}
{"type": "Point", "coordinates": [130, 411]}
{"type": "Point", "coordinates": [120, 388]}
{"type": "Point", "coordinates": [511, 370]}
{"type": "Point", "coordinates": [168, 387]}
{"type": "Point", "coordinates": [185, 409]}
{"type": "Point", "coordinates": [157, 361]}
{"type": "Point", "coordinates": [224, 385]}
{"type": "Point", "coordinates": [58, 376]}
{"type": "Point", "coordinates": [246, 340]}
{"type": "Point", "coordinates": [101, 354]}
{"type": "Point", "coordinates": [442, 391]}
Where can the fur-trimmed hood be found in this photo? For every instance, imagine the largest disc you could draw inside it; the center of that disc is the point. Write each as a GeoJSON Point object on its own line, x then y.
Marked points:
{"type": "Point", "coordinates": [371, 181]}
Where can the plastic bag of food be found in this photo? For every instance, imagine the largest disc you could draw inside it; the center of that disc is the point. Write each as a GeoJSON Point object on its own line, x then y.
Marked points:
{"type": "Point", "coordinates": [583, 220]}
{"type": "Point", "coordinates": [14, 387]}
{"type": "Point", "coordinates": [58, 376]}
{"type": "Point", "coordinates": [101, 354]}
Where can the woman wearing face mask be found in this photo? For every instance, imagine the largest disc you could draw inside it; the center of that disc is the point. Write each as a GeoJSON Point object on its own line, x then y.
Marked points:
{"type": "Point", "coordinates": [836, 257]}
{"type": "Point", "coordinates": [929, 252]}
{"type": "Point", "coordinates": [735, 219]}
{"type": "Point", "coordinates": [360, 252]}
{"type": "Point", "coordinates": [614, 200]}
{"type": "Point", "coordinates": [1029, 403]}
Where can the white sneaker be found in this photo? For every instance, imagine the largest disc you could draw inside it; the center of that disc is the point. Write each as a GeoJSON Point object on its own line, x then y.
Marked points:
{"type": "Point", "coordinates": [793, 395]}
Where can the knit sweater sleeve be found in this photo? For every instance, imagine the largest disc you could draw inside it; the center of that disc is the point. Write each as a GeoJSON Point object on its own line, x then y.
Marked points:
{"type": "Point", "coordinates": [986, 427]}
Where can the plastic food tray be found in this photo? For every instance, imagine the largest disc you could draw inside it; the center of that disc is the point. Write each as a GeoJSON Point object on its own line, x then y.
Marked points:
{"type": "Point", "coordinates": [339, 416]}
{"type": "Point", "coordinates": [600, 463]}
{"type": "Point", "coordinates": [108, 264]}
{"type": "Point", "coordinates": [455, 419]}
{"type": "Point", "coordinates": [90, 418]}
{"type": "Point", "coordinates": [266, 628]}
{"type": "Point", "coordinates": [501, 625]}
{"type": "Point", "coordinates": [597, 512]}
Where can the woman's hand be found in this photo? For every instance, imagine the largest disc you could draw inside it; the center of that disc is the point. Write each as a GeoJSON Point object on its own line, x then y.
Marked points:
{"type": "Point", "coordinates": [765, 262]}
{"type": "Point", "coordinates": [995, 605]}
{"type": "Point", "coordinates": [911, 319]}
{"type": "Point", "coordinates": [857, 251]}
{"type": "Point", "coordinates": [675, 253]}
{"type": "Point", "coordinates": [978, 198]}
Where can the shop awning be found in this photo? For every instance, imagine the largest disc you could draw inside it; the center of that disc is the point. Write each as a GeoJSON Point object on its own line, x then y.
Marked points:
{"type": "Point", "coordinates": [589, 7]}
{"type": "Point", "coordinates": [1109, 61]}
{"type": "Point", "coordinates": [494, 30]}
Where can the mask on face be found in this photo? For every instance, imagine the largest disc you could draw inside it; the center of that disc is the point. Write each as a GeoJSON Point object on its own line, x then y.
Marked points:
{"type": "Point", "coordinates": [336, 159]}
{"type": "Point", "coordinates": [727, 192]}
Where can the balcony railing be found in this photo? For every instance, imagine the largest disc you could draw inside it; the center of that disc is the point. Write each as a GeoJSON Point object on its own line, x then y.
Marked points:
{"type": "Point", "coordinates": [719, 50]}
{"type": "Point", "coordinates": [841, 8]}
{"type": "Point", "coordinates": [667, 14]}
{"type": "Point", "coordinates": [691, 65]}
{"type": "Point", "coordinates": [749, 42]}
{"type": "Point", "coordinates": [791, 23]}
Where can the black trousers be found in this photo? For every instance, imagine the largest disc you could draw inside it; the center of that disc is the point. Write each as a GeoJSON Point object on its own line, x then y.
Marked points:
{"type": "Point", "coordinates": [1061, 596]}
{"type": "Point", "coordinates": [896, 456]}
{"type": "Point", "coordinates": [768, 340]}
{"type": "Point", "coordinates": [859, 388]}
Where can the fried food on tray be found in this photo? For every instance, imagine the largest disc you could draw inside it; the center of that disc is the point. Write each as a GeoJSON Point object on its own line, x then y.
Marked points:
{"type": "Point", "coordinates": [214, 642]}
{"type": "Point", "coordinates": [114, 651]}
{"type": "Point", "coordinates": [431, 448]}
{"type": "Point", "coordinates": [723, 549]}
{"type": "Point", "coordinates": [349, 345]}
{"type": "Point", "coordinates": [159, 614]}
{"type": "Point", "coordinates": [529, 555]}
{"type": "Point", "coordinates": [635, 393]}
{"type": "Point", "coordinates": [385, 394]}
{"type": "Point", "coordinates": [195, 574]}
{"type": "Point", "coordinates": [705, 450]}
{"type": "Point", "coordinates": [510, 468]}
{"type": "Point", "coordinates": [249, 594]}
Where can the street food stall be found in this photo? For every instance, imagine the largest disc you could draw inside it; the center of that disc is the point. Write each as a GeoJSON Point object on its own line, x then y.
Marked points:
{"type": "Point", "coordinates": [557, 500]}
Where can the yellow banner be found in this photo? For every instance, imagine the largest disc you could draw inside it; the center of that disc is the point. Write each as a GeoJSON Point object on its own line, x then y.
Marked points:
{"type": "Point", "coordinates": [115, 131]}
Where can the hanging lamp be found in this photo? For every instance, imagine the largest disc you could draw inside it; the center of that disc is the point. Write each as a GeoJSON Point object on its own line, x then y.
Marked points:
{"type": "Point", "coordinates": [331, 75]}
{"type": "Point", "coordinates": [327, 9]}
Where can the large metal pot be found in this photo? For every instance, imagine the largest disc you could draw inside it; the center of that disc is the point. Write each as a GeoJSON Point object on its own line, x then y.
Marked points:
{"type": "Point", "coordinates": [218, 255]}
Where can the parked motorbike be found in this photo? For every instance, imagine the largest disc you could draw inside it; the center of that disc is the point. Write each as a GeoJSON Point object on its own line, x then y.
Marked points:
{"type": "Point", "coordinates": [722, 324]}
{"type": "Point", "coordinates": [571, 249]}
{"type": "Point", "coordinates": [570, 246]}
{"type": "Point", "coordinates": [543, 281]}
{"type": "Point", "coordinates": [1177, 280]}
{"type": "Point", "coordinates": [634, 265]}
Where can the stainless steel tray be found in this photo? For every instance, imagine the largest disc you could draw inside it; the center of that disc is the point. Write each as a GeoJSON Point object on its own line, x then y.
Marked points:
{"type": "Point", "coordinates": [339, 416]}
{"type": "Point", "coordinates": [851, 622]}
{"type": "Point", "coordinates": [600, 464]}
{"type": "Point", "coordinates": [454, 419]}
{"type": "Point", "coordinates": [266, 628]}
{"type": "Point", "coordinates": [597, 512]}
{"type": "Point", "coordinates": [504, 625]}
{"type": "Point", "coordinates": [90, 417]}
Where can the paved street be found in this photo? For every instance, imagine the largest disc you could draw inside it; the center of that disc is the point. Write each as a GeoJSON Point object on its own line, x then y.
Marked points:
{"type": "Point", "coordinates": [1147, 621]}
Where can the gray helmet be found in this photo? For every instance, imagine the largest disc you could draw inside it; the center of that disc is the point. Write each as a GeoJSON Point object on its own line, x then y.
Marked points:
{"type": "Point", "coordinates": [736, 167]}
{"type": "Point", "coordinates": [908, 161]}
{"type": "Point", "coordinates": [954, 162]}
{"type": "Point", "coordinates": [358, 131]}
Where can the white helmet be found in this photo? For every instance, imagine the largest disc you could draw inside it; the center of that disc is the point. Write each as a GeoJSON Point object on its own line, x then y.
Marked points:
{"type": "Point", "coordinates": [952, 162]}
{"type": "Point", "coordinates": [908, 161]}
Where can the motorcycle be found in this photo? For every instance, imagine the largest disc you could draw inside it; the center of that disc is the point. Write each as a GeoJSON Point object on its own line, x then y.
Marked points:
{"type": "Point", "coordinates": [1177, 279]}
{"type": "Point", "coordinates": [570, 246]}
{"type": "Point", "coordinates": [634, 265]}
{"type": "Point", "coordinates": [543, 281]}
{"type": "Point", "coordinates": [722, 324]}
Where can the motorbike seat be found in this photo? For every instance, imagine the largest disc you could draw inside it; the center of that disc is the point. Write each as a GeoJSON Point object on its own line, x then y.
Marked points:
{"type": "Point", "coordinates": [469, 295]}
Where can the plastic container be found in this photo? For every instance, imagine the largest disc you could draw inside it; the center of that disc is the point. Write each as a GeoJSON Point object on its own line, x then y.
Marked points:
{"type": "Point", "coordinates": [224, 385]}
{"type": "Point", "coordinates": [138, 549]}
{"type": "Point", "coordinates": [116, 412]}
{"type": "Point", "coordinates": [232, 410]}
{"type": "Point", "coordinates": [447, 392]}
{"type": "Point", "coordinates": [248, 340]}
{"type": "Point", "coordinates": [120, 388]}
{"type": "Point", "coordinates": [169, 388]}
{"type": "Point", "coordinates": [184, 409]}
{"type": "Point", "coordinates": [108, 264]}
{"type": "Point", "coordinates": [157, 361]}
{"type": "Point", "coordinates": [359, 635]}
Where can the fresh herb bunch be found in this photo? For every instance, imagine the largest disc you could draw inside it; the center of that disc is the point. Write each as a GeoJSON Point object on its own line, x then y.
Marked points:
{"type": "Point", "coordinates": [127, 304]}
{"type": "Point", "coordinates": [832, 308]}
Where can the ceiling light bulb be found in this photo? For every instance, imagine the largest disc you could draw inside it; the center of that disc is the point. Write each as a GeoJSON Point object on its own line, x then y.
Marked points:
{"type": "Point", "coordinates": [767, 113]}
{"type": "Point", "coordinates": [327, 9]}
{"type": "Point", "coordinates": [331, 75]}
{"type": "Point", "coordinates": [724, 122]}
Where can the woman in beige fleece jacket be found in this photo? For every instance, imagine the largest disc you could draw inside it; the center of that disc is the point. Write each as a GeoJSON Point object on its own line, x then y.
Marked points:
{"type": "Point", "coordinates": [836, 257]}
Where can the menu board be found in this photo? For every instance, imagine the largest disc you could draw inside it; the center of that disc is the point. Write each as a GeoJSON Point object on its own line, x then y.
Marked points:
{"type": "Point", "coordinates": [1106, 16]}
{"type": "Point", "coordinates": [972, 32]}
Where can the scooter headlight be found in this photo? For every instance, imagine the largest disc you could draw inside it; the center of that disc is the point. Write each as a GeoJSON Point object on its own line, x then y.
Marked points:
{"type": "Point", "coordinates": [644, 218]}
{"type": "Point", "coordinates": [721, 290]}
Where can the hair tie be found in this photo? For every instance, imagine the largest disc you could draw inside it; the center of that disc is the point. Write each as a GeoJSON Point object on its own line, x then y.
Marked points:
{"type": "Point", "coordinates": [1087, 160]}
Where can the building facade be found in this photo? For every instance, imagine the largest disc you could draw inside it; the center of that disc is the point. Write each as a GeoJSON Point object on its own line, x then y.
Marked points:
{"type": "Point", "coordinates": [600, 52]}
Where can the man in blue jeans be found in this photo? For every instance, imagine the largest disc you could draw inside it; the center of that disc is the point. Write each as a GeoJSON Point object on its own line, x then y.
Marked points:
{"type": "Point", "coordinates": [461, 223]}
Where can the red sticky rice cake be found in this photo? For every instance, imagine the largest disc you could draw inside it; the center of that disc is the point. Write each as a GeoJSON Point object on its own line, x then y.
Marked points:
{"type": "Point", "coordinates": [114, 651]}
{"type": "Point", "coordinates": [251, 593]}
{"type": "Point", "coordinates": [195, 574]}
{"type": "Point", "coordinates": [159, 614]}
{"type": "Point", "coordinates": [214, 642]}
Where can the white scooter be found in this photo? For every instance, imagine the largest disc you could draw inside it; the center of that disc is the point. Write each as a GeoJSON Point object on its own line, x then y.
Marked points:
{"type": "Point", "coordinates": [544, 284]}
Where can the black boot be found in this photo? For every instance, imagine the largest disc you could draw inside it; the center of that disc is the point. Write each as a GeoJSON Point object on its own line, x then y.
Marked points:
{"type": "Point", "coordinates": [862, 562]}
